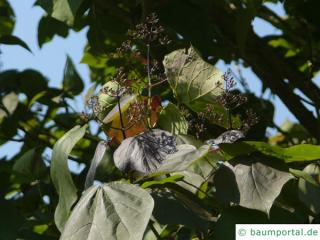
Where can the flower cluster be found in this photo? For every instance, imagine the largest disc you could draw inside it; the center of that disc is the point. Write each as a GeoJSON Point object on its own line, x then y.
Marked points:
{"type": "Point", "coordinates": [150, 31]}
{"type": "Point", "coordinates": [228, 101]}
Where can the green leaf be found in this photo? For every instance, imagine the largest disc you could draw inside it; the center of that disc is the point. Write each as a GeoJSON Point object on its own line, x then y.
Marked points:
{"type": "Point", "coordinates": [112, 211]}
{"type": "Point", "coordinates": [61, 176]}
{"type": "Point", "coordinates": [99, 155]}
{"type": "Point", "coordinates": [48, 27]}
{"type": "Point", "coordinates": [7, 18]}
{"type": "Point", "coordinates": [308, 193]}
{"type": "Point", "coordinates": [305, 176]}
{"type": "Point", "coordinates": [206, 165]}
{"type": "Point", "coordinates": [25, 164]}
{"type": "Point", "coordinates": [171, 179]}
{"type": "Point", "coordinates": [144, 153]}
{"type": "Point", "coordinates": [62, 10]}
{"type": "Point", "coordinates": [29, 82]}
{"type": "Point", "coordinates": [251, 183]}
{"type": "Point", "coordinates": [13, 40]}
{"type": "Point", "coordinates": [183, 158]}
{"type": "Point", "coordinates": [156, 151]}
{"type": "Point", "coordinates": [191, 78]}
{"type": "Point", "coordinates": [72, 82]}
{"type": "Point", "coordinates": [106, 102]}
{"type": "Point", "coordinates": [36, 98]}
{"type": "Point", "coordinates": [302, 152]}
{"type": "Point", "coordinates": [171, 120]}
{"type": "Point", "coordinates": [191, 181]}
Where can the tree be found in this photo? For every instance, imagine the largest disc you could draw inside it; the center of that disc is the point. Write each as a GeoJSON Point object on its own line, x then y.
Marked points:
{"type": "Point", "coordinates": [186, 154]}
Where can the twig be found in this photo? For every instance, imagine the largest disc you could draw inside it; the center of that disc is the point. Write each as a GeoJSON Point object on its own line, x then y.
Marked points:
{"type": "Point", "coordinates": [121, 119]}
{"type": "Point", "coordinates": [154, 230]}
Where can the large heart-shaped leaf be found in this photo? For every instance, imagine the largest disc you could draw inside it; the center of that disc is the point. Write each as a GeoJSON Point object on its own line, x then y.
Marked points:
{"type": "Point", "coordinates": [156, 151]}
{"type": "Point", "coordinates": [191, 78]}
{"type": "Point", "coordinates": [251, 183]}
{"type": "Point", "coordinates": [308, 193]}
{"type": "Point", "coordinates": [145, 152]}
{"type": "Point", "coordinates": [61, 176]}
{"type": "Point", "coordinates": [113, 211]}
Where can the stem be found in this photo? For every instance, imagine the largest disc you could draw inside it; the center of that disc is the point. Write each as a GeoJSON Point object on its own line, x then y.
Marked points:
{"type": "Point", "coordinates": [154, 230]}
{"type": "Point", "coordinates": [149, 86]}
{"type": "Point", "coordinates": [190, 184]}
{"type": "Point", "coordinates": [229, 119]}
{"type": "Point", "coordinates": [121, 119]}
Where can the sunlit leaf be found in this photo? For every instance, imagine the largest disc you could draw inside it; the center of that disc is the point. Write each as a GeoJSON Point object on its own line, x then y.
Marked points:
{"type": "Point", "coordinates": [296, 153]}
{"type": "Point", "coordinates": [64, 11]}
{"type": "Point", "coordinates": [172, 179]}
{"type": "Point", "coordinates": [183, 158]}
{"type": "Point", "coordinates": [61, 176]}
{"type": "Point", "coordinates": [145, 152]}
{"type": "Point", "coordinates": [97, 158]}
{"type": "Point", "coordinates": [191, 78]}
{"type": "Point", "coordinates": [112, 211]}
{"type": "Point", "coordinates": [10, 102]}
{"type": "Point", "coordinates": [305, 176]}
{"type": "Point", "coordinates": [171, 120]}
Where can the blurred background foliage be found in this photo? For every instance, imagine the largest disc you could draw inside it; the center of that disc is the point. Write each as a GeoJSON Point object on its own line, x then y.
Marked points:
{"type": "Point", "coordinates": [37, 115]}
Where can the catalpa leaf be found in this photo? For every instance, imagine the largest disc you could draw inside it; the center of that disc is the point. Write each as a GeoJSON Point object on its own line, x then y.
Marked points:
{"type": "Point", "coordinates": [251, 183]}
{"type": "Point", "coordinates": [191, 78]}
{"type": "Point", "coordinates": [171, 120]}
{"type": "Point", "coordinates": [72, 82]}
{"type": "Point", "coordinates": [145, 152]}
{"type": "Point", "coordinates": [296, 153]}
{"type": "Point", "coordinates": [97, 158]}
{"type": "Point", "coordinates": [112, 211]}
{"type": "Point", "coordinates": [156, 151]}
{"type": "Point", "coordinates": [61, 176]}
{"type": "Point", "coordinates": [309, 193]}
{"type": "Point", "coordinates": [64, 11]}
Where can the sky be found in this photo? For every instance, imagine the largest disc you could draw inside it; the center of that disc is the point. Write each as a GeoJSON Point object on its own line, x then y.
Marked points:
{"type": "Point", "coordinates": [51, 58]}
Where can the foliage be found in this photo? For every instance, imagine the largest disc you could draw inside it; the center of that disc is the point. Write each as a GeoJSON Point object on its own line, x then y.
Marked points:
{"type": "Point", "coordinates": [186, 156]}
